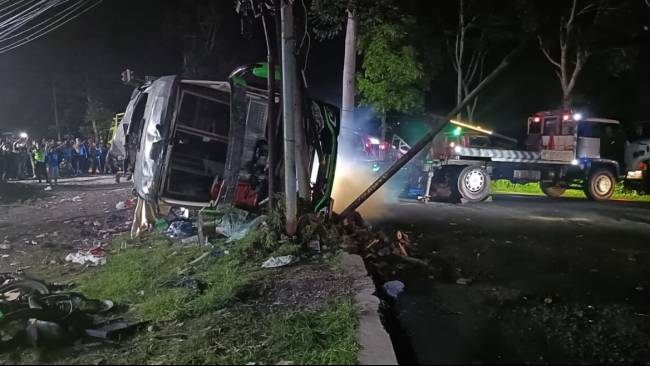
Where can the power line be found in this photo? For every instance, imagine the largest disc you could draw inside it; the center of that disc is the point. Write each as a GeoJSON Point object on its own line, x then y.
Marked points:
{"type": "Point", "coordinates": [67, 10]}
{"type": "Point", "coordinates": [10, 25]}
{"type": "Point", "coordinates": [54, 24]}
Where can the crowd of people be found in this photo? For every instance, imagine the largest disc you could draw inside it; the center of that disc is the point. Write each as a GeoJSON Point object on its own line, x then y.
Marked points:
{"type": "Point", "coordinates": [48, 160]}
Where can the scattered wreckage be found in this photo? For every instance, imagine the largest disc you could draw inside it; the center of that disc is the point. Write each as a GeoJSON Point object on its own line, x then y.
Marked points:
{"type": "Point", "coordinates": [34, 314]}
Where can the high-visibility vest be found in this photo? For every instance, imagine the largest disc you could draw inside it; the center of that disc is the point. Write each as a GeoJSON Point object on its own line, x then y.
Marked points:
{"type": "Point", "coordinates": [39, 155]}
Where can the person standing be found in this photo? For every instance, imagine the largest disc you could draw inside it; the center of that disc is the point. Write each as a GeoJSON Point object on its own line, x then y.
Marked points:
{"type": "Point", "coordinates": [41, 169]}
{"type": "Point", "coordinates": [83, 159]}
{"type": "Point", "coordinates": [92, 157]}
{"type": "Point", "coordinates": [103, 152]}
{"type": "Point", "coordinates": [3, 161]}
{"type": "Point", "coordinates": [53, 161]}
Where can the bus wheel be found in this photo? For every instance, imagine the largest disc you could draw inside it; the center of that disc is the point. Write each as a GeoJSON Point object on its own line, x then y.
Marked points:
{"type": "Point", "coordinates": [551, 190]}
{"type": "Point", "coordinates": [600, 185]}
{"type": "Point", "coordinates": [474, 184]}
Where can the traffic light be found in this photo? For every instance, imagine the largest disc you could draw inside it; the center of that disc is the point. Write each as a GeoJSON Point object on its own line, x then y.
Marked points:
{"type": "Point", "coordinates": [458, 131]}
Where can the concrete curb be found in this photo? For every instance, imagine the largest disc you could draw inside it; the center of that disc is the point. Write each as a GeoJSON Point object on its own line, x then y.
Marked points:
{"type": "Point", "coordinates": [374, 341]}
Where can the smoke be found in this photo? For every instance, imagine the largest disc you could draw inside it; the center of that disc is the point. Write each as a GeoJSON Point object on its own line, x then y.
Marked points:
{"type": "Point", "coordinates": [352, 179]}
{"type": "Point", "coordinates": [354, 173]}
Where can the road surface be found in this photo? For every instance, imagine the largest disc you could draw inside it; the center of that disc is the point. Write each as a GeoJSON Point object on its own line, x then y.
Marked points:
{"type": "Point", "coordinates": [552, 281]}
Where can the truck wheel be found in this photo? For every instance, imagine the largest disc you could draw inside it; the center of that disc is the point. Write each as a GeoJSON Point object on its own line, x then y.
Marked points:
{"type": "Point", "coordinates": [551, 190]}
{"type": "Point", "coordinates": [474, 184]}
{"type": "Point", "coordinates": [600, 185]}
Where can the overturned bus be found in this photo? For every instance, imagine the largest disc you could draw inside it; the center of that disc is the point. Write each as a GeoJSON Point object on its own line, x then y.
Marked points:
{"type": "Point", "coordinates": [199, 143]}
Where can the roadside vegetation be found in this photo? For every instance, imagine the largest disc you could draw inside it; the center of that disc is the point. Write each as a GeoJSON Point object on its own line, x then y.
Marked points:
{"type": "Point", "coordinates": [505, 186]}
{"type": "Point", "coordinates": [216, 305]}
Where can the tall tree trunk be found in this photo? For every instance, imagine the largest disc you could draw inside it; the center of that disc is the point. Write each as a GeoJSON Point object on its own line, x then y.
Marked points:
{"type": "Point", "coordinates": [567, 100]}
{"type": "Point", "coordinates": [95, 131]}
{"type": "Point", "coordinates": [56, 112]}
{"type": "Point", "coordinates": [270, 107]}
{"type": "Point", "coordinates": [349, 78]}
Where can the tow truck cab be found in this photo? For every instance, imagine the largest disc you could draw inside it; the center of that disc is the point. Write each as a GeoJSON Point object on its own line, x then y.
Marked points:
{"type": "Point", "coordinates": [577, 153]}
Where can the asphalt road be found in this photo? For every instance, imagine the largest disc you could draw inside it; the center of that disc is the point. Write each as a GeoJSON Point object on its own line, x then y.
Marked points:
{"type": "Point", "coordinates": [553, 281]}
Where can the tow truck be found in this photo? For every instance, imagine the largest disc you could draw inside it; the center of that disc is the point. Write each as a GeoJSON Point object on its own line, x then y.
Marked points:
{"type": "Point", "coordinates": [562, 150]}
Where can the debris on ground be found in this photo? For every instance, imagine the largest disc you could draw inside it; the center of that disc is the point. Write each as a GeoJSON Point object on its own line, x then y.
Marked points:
{"type": "Point", "coordinates": [33, 315]}
{"type": "Point", "coordinates": [275, 262]}
{"type": "Point", "coordinates": [235, 223]}
{"type": "Point", "coordinates": [181, 228]}
{"type": "Point", "coordinates": [314, 245]}
{"type": "Point", "coordinates": [94, 257]}
{"type": "Point", "coordinates": [464, 281]}
{"type": "Point", "coordinates": [394, 288]}
{"type": "Point", "coordinates": [161, 225]}
{"type": "Point", "coordinates": [125, 204]}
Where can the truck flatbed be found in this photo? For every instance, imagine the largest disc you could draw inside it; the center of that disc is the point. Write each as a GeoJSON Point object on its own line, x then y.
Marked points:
{"type": "Point", "coordinates": [505, 156]}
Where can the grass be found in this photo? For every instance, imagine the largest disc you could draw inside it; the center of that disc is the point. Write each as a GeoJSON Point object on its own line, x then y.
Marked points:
{"type": "Point", "coordinates": [505, 186]}
{"type": "Point", "coordinates": [145, 278]}
{"type": "Point", "coordinates": [236, 336]}
{"type": "Point", "coordinates": [212, 326]}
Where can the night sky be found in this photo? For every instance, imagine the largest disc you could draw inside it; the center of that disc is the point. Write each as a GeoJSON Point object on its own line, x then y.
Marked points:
{"type": "Point", "coordinates": [92, 51]}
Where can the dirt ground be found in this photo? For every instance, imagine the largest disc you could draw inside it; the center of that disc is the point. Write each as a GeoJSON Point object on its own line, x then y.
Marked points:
{"type": "Point", "coordinates": [78, 214]}
{"type": "Point", "coordinates": [38, 234]}
{"type": "Point", "coordinates": [541, 281]}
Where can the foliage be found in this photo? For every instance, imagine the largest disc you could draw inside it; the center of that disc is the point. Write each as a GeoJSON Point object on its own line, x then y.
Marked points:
{"type": "Point", "coordinates": [97, 111]}
{"type": "Point", "coordinates": [393, 78]}
{"type": "Point", "coordinates": [328, 17]}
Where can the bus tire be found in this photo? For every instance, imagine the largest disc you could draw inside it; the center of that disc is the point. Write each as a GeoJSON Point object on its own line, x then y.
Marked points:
{"type": "Point", "coordinates": [600, 185]}
{"type": "Point", "coordinates": [474, 184]}
{"type": "Point", "coordinates": [551, 190]}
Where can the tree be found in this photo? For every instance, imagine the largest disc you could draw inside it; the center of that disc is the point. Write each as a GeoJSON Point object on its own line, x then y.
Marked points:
{"type": "Point", "coordinates": [479, 29]}
{"type": "Point", "coordinates": [328, 19]}
{"type": "Point", "coordinates": [98, 117]}
{"type": "Point", "coordinates": [393, 77]}
{"type": "Point", "coordinates": [574, 44]}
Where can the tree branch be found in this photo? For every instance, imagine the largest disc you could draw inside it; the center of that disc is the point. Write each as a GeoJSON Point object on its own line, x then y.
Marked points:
{"type": "Point", "coordinates": [547, 54]}
{"type": "Point", "coordinates": [581, 58]}
{"type": "Point", "coordinates": [572, 15]}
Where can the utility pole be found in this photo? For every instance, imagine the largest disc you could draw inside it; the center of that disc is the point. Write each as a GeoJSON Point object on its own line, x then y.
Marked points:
{"type": "Point", "coordinates": [270, 107]}
{"type": "Point", "coordinates": [56, 111]}
{"type": "Point", "coordinates": [349, 79]}
{"type": "Point", "coordinates": [301, 149]}
{"type": "Point", "coordinates": [288, 102]}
